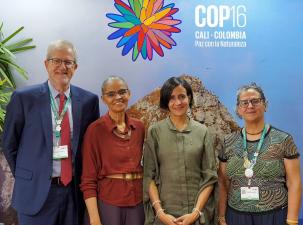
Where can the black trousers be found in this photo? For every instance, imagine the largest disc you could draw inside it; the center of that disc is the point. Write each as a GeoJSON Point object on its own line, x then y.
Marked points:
{"type": "Point", "coordinates": [273, 217]}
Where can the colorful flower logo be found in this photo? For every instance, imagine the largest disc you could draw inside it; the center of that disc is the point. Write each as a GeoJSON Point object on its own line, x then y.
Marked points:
{"type": "Point", "coordinates": [144, 26]}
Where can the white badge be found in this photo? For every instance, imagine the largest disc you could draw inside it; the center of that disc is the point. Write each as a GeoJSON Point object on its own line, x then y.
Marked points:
{"type": "Point", "coordinates": [249, 193]}
{"type": "Point", "coordinates": [60, 152]}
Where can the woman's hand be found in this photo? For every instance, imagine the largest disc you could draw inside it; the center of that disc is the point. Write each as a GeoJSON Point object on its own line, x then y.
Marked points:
{"type": "Point", "coordinates": [221, 220]}
{"type": "Point", "coordinates": [187, 219]}
{"type": "Point", "coordinates": [222, 223]}
{"type": "Point", "coordinates": [95, 220]}
{"type": "Point", "coordinates": [167, 219]}
{"type": "Point", "coordinates": [95, 223]}
{"type": "Point", "coordinates": [93, 213]}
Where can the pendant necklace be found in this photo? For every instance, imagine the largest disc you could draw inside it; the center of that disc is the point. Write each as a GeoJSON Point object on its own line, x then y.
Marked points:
{"type": "Point", "coordinates": [249, 164]}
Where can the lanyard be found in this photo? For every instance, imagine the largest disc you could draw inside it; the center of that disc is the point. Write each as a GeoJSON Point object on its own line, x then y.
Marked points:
{"type": "Point", "coordinates": [249, 164]}
{"type": "Point", "coordinates": [58, 118]}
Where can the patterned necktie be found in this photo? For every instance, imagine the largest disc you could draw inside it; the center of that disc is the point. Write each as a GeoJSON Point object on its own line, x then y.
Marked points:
{"type": "Point", "coordinates": [66, 164]}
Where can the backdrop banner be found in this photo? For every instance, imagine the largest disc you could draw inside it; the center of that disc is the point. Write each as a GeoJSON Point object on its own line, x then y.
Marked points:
{"type": "Point", "coordinates": [217, 46]}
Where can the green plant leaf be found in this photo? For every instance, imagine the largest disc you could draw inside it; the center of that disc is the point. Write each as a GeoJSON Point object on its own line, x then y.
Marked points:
{"type": "Point", "coordinates": [6, 78]}
{"type": "Point", "coordinates": [8, 73]}
{"type": "Point", "coordinates": [5, 50]}
{"type": "Point", "coordinates": [19, 44]}
{"type": "Point", "coordinates": [15, 66]}
{"type": "Point", "coordinates": [12, 35]}
{"type": "Point", "coordinates": [21, 49]}
{"type": "Point", "coordinates": [7, 64]}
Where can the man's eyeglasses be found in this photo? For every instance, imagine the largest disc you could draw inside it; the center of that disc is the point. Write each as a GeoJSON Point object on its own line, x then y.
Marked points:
{"type": "Point", "coordinates": [254, 102]}
{"type": "Point", "coordinates": [57, 62]}
{"type": "Point", "coordinates": [121, 93]}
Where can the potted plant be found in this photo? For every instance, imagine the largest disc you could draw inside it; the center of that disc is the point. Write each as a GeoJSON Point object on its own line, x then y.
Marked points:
{"type": "Point", "coordinates": [8, 49]}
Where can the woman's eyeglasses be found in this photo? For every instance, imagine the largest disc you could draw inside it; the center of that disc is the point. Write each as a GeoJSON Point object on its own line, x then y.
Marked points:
{"type": "Point", "coordinates": [253, 102]}
{"type": "Point", "coordinates": [121, 93]}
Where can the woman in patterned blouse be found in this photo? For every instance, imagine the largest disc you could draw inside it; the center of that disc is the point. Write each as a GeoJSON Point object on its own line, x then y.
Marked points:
{"type": "Point", "coordinates": [259, 172]}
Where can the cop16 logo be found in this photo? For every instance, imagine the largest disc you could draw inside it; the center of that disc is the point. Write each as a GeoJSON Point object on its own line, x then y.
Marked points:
{"type": "Point", "coordinates": [215, 16]}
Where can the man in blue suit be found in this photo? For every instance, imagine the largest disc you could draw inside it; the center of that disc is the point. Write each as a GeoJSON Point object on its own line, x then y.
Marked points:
{"type": "Point", "coordinates": [43, 132]}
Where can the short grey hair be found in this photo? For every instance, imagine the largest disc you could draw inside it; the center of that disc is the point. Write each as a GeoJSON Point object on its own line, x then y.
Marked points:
{"type": "Point", "coordinates": [253, 86]}
{"type": "Point", "coordinates": [59, 45]}
{"type": "Point", "coordinates": [247, 87]}
{"type": "Point", "coordinates": [111, 78]}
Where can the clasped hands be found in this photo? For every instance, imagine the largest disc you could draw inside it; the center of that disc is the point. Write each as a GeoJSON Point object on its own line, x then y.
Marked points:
{"type": "Point", "coordinates": [186, 219]}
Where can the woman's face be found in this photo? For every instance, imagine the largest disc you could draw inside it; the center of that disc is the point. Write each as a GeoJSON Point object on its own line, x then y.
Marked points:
{"type": "Point", "coordinates": [116, 95]}
{"type": "Point", "coordinates": [251, 107]}
{"type": "Point", "coordinates": [179, 102]}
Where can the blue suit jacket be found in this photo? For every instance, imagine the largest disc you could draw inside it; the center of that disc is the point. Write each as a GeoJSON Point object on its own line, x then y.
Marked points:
{"type": "Point", "coordinates": [28, 143]}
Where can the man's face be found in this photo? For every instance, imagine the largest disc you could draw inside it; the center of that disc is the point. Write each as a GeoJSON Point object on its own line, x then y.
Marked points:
{"type": "Point", "coordinates": [61, 67]}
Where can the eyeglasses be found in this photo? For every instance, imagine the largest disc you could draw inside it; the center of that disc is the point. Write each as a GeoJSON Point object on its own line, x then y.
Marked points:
{"type": "Point", "coordinates": [57, 62]}
{"type": "Point", "coordinates": [121, 93]}
{"type": "Point", "coordinates": [254, 102]}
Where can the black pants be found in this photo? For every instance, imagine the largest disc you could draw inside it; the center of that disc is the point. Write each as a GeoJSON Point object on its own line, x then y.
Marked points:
{"type": "Point", "coordinates": [273, 217]}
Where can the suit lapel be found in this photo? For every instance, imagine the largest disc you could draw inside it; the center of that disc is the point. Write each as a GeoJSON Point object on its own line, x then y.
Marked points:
{"type": "Point", "coordinates": [76, 111]}
{"type": "Point", "coordinates": [46, 117]}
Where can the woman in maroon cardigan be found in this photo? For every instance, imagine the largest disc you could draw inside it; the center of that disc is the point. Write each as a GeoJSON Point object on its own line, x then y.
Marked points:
{"type": "Point", "coordinates": [112, 171]}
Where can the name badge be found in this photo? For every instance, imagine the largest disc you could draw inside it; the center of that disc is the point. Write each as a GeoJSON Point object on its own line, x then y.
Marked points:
{"type": "Point", "coordinates": [249, 193]}
{"type": "Point", "coordinates": [60, 152]}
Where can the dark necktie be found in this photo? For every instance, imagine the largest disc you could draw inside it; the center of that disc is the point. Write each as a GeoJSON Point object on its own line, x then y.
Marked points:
{"type": "Point", "coordinates": [66, 164]}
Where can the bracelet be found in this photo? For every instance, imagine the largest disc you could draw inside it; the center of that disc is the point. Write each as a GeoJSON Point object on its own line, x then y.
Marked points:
{"type": "Point", "coordinates": [292, 221]}
{"type": "Point", "coordinates": [221, 219]}
{"type": "Point", "coordinates": [198, 211]}
{"type": "Point", "coordinates": [158, 212]}
{"type": "Point", "coordinates": [155, 202]}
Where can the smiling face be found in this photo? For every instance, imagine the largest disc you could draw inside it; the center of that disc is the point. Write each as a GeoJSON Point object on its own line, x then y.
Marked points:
{"type": "Point", "coordinates": [179, 102]}
{"type": "Point", "coordinates": [251, 106]}
{"type": "Point", "coordinates": [60, 75]}
{"type": "Point", "coordinates": [116, 96]}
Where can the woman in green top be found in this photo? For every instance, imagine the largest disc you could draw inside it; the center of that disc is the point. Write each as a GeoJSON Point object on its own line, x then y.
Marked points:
{"type": "Point", "coordinates": [179, 163]}
{"type": "Point", "coordinates": [259, 171]}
